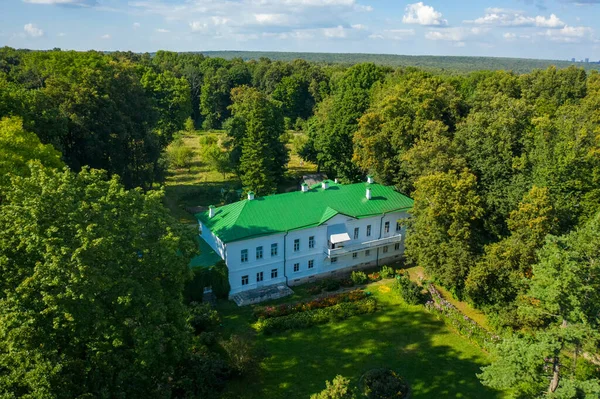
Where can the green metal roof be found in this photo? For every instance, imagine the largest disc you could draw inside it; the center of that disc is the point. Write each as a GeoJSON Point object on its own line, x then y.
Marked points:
{"type": "Point", "coordinates": [296, 210]}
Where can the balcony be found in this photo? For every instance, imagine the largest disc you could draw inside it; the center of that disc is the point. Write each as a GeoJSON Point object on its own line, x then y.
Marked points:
{"type": "Point", "coordinates": [363, 246]}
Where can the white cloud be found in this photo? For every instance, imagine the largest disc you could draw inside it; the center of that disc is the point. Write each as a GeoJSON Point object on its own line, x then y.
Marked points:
{"type": "Point", "coordinates": [358, 26]}
{"type": "Point", "coordinates": [161, 30]}
{"type": "Point", "coordinates": [198, 26]}
{"type": "Point", "coordinates": [570, 34]}
{"type": "Point", "coordinates": [136, 25]}
{"type": "Point", "coordinates": [33, 31]}
{"type": "Point", "coordinates": [106, 36]}
{"type": "Point", "coordinates": [338, 32]}
{"type": "Point", "coordinates": [393, 34]}
{"type": "Point", "coordinates": [419, 13]}
{"type": "Point", "coordinates": [504, 17]}
{"type": "Point", "coordinates": [271, 19]}
{"type": "Point", "coordinates": [59, 2]}
{"type": "Point", "coordinates": [458, 34]}
{"type": "Point", "coordinates": [219, 20]}
{"type": "Point", "coordinates": [61, 34]}
{"type": "Point", "coordinates": [509, 36]}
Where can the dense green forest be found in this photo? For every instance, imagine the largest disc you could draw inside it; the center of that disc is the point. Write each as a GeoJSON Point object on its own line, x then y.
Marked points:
{"type": "Point", "coordinates": [504, 169]}
{"type": "Point", "coordinates": [452, 64]}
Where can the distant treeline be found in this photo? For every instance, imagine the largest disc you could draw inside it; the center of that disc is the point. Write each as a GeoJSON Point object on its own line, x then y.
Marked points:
{"type": "Point", "coordinates": [429, 62]}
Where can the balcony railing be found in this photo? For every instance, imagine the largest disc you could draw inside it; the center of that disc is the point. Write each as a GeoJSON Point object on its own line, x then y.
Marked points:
{"type": "Point", "coordinates": [362, 246]}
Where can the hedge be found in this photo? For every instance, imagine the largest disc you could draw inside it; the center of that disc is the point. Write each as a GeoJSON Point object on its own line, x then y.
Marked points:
{"type": "Point", "coordinates": [307, 319]}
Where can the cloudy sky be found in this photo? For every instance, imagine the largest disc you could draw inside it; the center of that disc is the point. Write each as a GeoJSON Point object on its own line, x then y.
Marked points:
{"type": "Point", "coordinates": [551, 29]}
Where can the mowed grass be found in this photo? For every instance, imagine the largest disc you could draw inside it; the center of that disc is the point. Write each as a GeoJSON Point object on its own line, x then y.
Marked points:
{"type": "Point", "coordinates": [435, 361]}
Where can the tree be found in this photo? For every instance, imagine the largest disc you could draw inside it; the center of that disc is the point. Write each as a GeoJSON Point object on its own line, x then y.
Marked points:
{"type": "Point", "coordinates": [214, 98]}
{"type": "Point", "coordinates": [256, 128]}
{"type": "Point", "coordinates": [18, 147]}
{"type": "Point", "coordinates": [91, 288]}
{"type": "Point", "coordinates": [561, 306]}
{"type": "Point", "coordinates": [172, 103]}
{"type": "Point", "coordinates": [440, 236]}
{"type": "Point", "coordinates": [498, 277]}
{"type": "Point", "coordinates": [180, 155]}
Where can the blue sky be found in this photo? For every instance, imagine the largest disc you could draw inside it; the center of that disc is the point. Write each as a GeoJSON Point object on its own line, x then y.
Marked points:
{"type": "Point", "coordinates": [551, 29]}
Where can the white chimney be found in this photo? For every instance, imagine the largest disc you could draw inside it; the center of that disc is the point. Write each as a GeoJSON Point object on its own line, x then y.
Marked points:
{"type": "Point", "coordinates": [250, 195]}
{"type": "Point", "coordinates": [211, 211]}
{"type": "Point", "coordinates": [325, 184]}
{"type": "Point", "coordinates": [370, 179]}
{"type": "Point", "coordinates": [304, 187]}
{"type": "Point", "coordinates": [337, 181]}
{"type": "Point", "coordinates": [368, 195]}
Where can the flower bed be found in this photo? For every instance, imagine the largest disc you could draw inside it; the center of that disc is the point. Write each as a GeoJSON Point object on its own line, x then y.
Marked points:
{"type": "Point", "coordinates": [454, 318]}
{"type": "Point", "coordinates": [267, 312]}
{"type": "Point", "coordinates": [309, 318]}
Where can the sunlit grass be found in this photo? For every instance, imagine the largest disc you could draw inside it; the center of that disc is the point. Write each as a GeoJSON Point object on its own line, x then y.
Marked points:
{"type": "Point", "coordinates": [434, 360]}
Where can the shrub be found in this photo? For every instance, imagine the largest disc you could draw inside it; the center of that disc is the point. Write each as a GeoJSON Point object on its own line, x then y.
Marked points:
{"type": "Point", "coordinates": [408, 290]}
{"type": "Point", "coordinates": [194, 289]}
{"type": "Point", "coordinates": [374, 277]}
{"type": "Point", "coordinates": [242, 354]}
{"type": "Point", "coordinates": [331, 284]}
{"type": "Point", "coordinates": [310, 318]}
{"type": "Point", "coordinates": [383, 384]}
{"type": "Point", "coordinates": [358, 277]}
{"type": "Point", "coordinates": [346, 282]}
{"type": "Point", "coordinates": [339, 388]}
{"type": "Point", "coordinates": [314, 289]}
{"type": "Point", "coordinates": [285, 309]}
{"type": "Point", "coordinates": [202, 317]}
{"type": "Point", "coordinates": [387, 272]}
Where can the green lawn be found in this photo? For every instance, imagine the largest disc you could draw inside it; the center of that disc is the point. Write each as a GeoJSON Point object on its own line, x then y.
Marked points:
{"type": "Point", "coordinates": [436, 362]}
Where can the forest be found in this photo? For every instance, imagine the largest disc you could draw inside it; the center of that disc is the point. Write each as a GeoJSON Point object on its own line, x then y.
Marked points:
{"type": "Point", "coordinates": [504, 168]}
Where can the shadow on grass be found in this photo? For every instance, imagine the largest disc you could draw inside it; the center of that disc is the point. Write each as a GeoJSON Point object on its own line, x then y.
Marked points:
{"type": "Point", "coordinates": [436, 362]}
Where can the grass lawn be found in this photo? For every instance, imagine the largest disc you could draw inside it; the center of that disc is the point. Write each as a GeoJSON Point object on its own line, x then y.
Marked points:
{"type": "Point", "coordinates": [436, 362]}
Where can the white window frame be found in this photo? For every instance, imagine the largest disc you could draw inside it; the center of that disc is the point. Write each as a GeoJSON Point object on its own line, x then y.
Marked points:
{"type": "Point", "coordinates": [296, 245]}
{"type": "Point", "coordinates": [386, 227]}
{"type": "Point", "coordinates": [274, 249]}
{"type": "Point", "coordinates": [259, 251]}
{"type": "Point", "coordinates": [245, 280]}
{"type": "Point", "coordinates": [311, 263]}
{"type": "Point", "coordinates": [296, 267]}
{"type": "Point", "coordinates": [260, 277]}
{"type": "Point", "coordinates": [368, 230]}
{"type": "Point", "coordinates": [274, 273]}
{"type": "Point", "coordinates": [311, 242]}
{"type": "Point", "coordinates": [244, 256]}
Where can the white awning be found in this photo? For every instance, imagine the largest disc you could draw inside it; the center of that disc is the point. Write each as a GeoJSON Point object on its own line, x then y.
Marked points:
{"type": "Point", "coordinates": [337, 238]}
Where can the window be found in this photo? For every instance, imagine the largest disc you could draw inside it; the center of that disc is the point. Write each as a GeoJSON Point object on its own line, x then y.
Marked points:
{"type": "Point", "coordinates": [311, 264]}
{"type": "Point", "coordinates": [259, 252]}
{"type": "Point", "coordinates": [296, 267]}
{"type": "Point", "coordinates": [334, 260]}
{"type": "Point", "coordinates": [368, 252]}
{"type": "Point", "coordinates": [296, 245]}
{"type": "Point", "coordinates": [311, 241]}
{"type": "Point", "coordinates": [273, 273]}
{"type": "Point", "coordinates": [397, 246]}
{"type": "Point", "coordinates": [398, 226]}
{"type": "Point", "coordinates": [259, 277]}
{"type": "Point", "coordinates": [385, 249]}
{"type": "Point", "coordinates": [245, 256]}
{"type": "Point", "coordinates": [369, 231]}
{"type": "Point", "coordinates": [356, 233]}
{"type": "Point", "coordinates": [387, 227]}
{"type": "Point", "coordinates": [274, 249]}
{"type": "Point", "coordinates": [354, 255]}
{"type": "Point", "coordinates": [244, 280]}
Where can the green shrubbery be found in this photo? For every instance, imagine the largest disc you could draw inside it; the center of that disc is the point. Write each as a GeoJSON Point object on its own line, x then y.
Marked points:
{"type": "Point", "coordinates": [358, 278]}
{"type": "Point", "coordinates": [408, 290]}
{"type": "Point", "coordinates": [383, 384]}
{"type": "Point", "coordinates": [339, 388]}
{"type": "Point", "coordinates": [387, 272]}
{"type": "Point", "coordinates": [284, 309]}
{"type": "Point", "coordinates": [310, 318]}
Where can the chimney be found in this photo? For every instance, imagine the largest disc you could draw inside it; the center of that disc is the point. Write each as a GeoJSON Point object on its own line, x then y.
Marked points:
{"type": "Point", "coordinates": [304, 187]}
{"type": "Point", "coordinates": [370, 179]}
{"type": "Point", "coordinates": [336, 181]}
{"type": "Point", "coordinates": [250, 195]}
{"type": "Point", "coordinates": [368, 195]}
{"type": "Point", "coordinates": [325, 184]}
{"type": "Point", "coordinates": [211, 211]}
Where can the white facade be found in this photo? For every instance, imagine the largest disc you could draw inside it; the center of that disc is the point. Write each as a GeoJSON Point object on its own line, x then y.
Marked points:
{"type": "Point", "coordinates": [297, 257]}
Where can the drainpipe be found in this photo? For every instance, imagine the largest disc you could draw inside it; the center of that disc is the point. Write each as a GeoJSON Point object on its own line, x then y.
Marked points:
{"type": "Point", "coordinates": [284, 258]}
{"type": "Point", "coordinates": [380, 234]}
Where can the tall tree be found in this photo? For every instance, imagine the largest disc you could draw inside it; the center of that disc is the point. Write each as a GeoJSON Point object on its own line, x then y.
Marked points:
{"type": "Point", "coordinates": [257, 128]}
{"type": "Point", "coordinates": [561, 306]}
{"type": "Point", "coordinates": [91, 289]}
{"type": "Point", "coordinates": [440, 236]}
